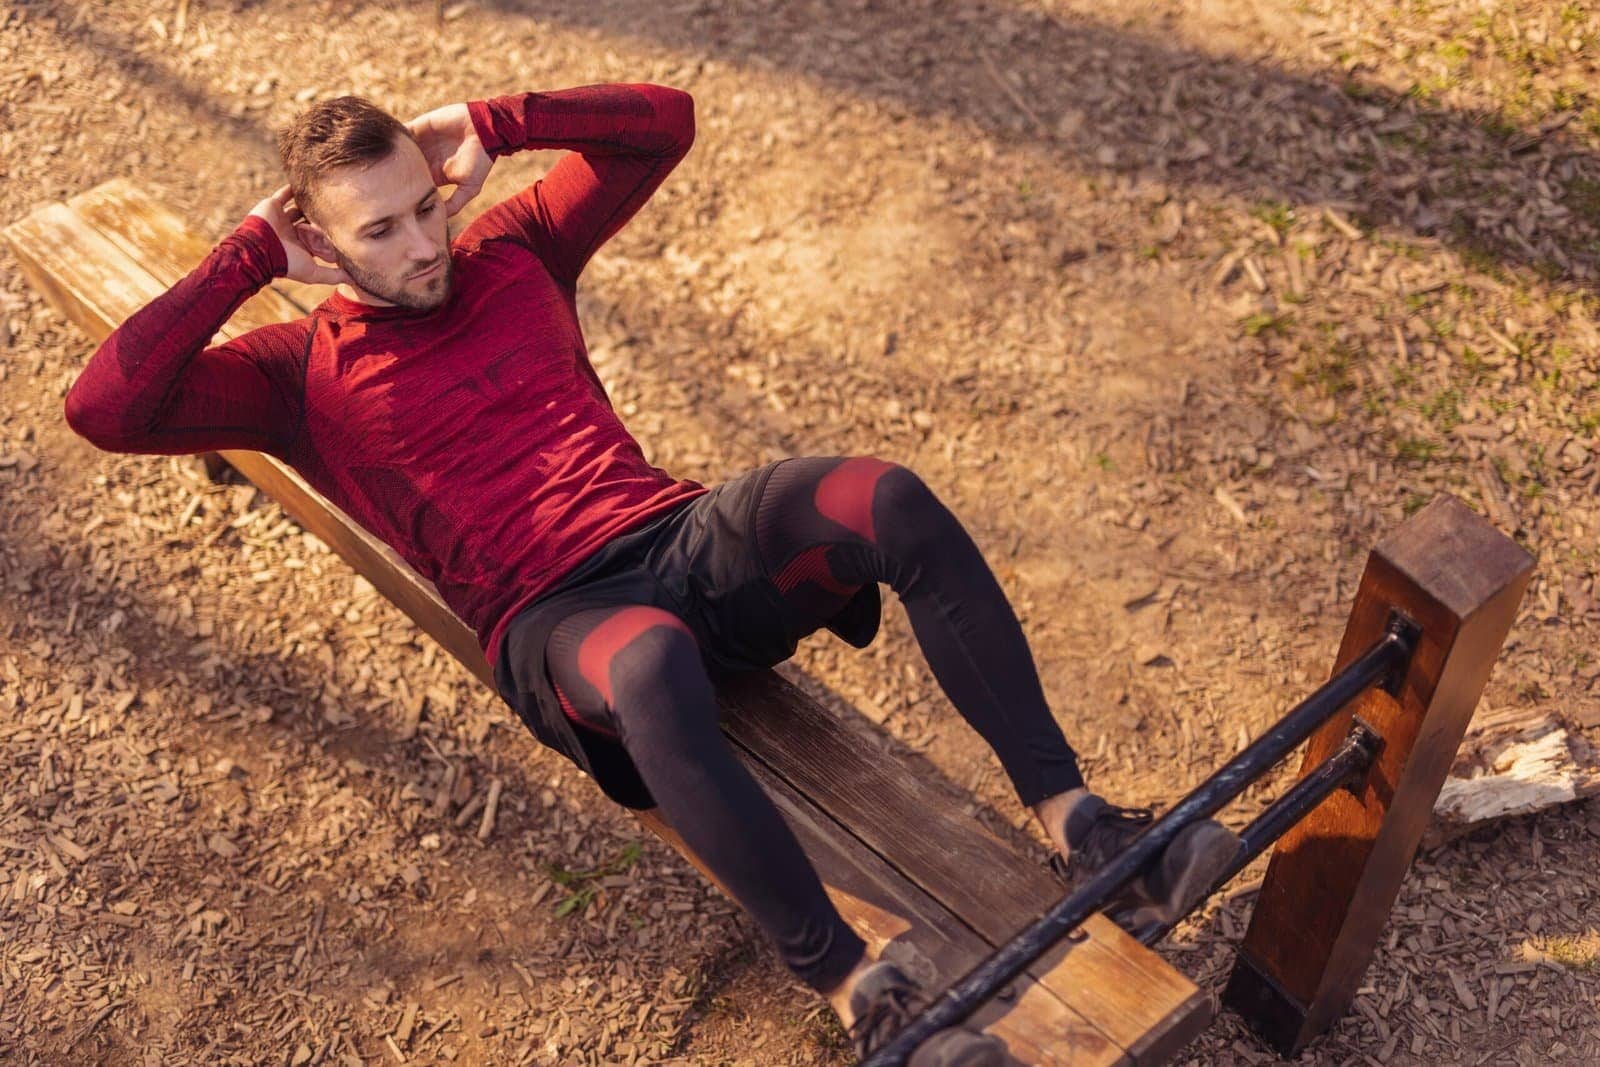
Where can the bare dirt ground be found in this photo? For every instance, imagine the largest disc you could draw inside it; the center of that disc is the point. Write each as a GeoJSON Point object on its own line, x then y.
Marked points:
{"type": "Point", "coordinates": [1180, 306]}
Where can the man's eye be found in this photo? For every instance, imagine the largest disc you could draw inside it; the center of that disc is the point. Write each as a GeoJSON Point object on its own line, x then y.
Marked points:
{"type": "Point", "coordinates": [379, 233]}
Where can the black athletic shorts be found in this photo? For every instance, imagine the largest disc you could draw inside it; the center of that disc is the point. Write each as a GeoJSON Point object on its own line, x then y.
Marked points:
{"type": "Point", "coordinates": [699, 562]}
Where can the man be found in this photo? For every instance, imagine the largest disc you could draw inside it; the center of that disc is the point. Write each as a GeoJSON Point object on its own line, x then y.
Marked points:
{"type": "Point", "coordinates": [441, 395]}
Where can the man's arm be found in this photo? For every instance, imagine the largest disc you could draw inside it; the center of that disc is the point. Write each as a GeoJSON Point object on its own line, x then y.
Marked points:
{"type": "Point", "coordinates": [624, 138]}
{"type": "Point", "coordinates": [154, 387]}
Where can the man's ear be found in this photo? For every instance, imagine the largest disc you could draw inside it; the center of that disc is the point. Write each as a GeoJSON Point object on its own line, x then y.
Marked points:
{"type": "Point", "coordinates": [315, 241]}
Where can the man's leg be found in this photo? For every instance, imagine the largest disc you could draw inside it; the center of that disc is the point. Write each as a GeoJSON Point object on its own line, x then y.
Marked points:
{"type": "Point", "coordinates": [635, 673]}
{"type": "Point", "coordinates": [826, 525]}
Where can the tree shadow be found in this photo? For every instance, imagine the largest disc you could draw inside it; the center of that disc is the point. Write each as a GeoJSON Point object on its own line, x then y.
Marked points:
{"type": "Point", "coordinates": [1112, 102]}
{"type": "Point", "coordinates": [371, 758]}
{"type": "Point", "coordinates": [1454, 929]}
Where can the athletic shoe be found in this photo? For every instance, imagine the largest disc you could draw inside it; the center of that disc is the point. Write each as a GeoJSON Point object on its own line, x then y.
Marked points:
{"type": "Point", "coordinates": [1167, 891]}
{"type": "Point", "coordinates": [884, 1000]}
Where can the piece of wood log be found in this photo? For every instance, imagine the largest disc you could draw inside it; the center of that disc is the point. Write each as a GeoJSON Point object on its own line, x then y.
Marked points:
{"type": "Point", "coordinates": [1515, 761]}
{"type": "Point", "coordinates": [1334, 876]}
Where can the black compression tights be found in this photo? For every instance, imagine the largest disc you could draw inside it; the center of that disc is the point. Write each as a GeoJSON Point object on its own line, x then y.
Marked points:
{"type": "Point", "coordinates": [824, 526]}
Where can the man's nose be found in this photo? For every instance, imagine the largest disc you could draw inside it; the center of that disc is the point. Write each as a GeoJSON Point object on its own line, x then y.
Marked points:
{"type": "Point", "coordinates": [421, 249]}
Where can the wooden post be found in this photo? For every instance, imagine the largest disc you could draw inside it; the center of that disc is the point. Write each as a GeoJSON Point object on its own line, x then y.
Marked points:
{"type": "Point", "coordinates": [1334, 877]}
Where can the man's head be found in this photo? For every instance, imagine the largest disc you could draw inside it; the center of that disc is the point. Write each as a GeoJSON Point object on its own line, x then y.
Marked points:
{"type": "Point", "coordinates": [369, 202]}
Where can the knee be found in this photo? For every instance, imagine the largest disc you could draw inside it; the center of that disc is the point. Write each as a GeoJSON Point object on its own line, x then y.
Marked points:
{"type": "Point", "coordinates": [901, 491]}
{"type": "Point", "coordinates": [910, 517]}
{"type": "Point", "coordinates": [634, 649]}
{"type": "Point", "coordinates": [865, 493]}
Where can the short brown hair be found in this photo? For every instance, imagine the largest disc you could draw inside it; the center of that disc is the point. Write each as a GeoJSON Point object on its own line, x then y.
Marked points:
{"type": "Point", "coordinates": [334, 133]}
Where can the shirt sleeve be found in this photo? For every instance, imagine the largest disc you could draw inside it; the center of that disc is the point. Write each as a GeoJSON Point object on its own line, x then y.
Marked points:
{"type": "Point", "coordinates": [153, 386]}
{"type": "Point", "coordinates": [624, 140]}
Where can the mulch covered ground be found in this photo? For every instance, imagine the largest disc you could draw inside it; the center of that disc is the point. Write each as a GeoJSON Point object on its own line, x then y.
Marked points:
{"type": "Point", "coordinates": [1180, 307]}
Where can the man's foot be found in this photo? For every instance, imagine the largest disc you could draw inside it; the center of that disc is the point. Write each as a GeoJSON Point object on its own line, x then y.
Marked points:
{"type": "Point", "coordinates": [1096, 832]}
{"type": "Point", "coordinates": [884, 1000]}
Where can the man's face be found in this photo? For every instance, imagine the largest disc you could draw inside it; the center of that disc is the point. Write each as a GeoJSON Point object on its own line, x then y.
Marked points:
{"type": "Point", "coordinates": [386, 225]}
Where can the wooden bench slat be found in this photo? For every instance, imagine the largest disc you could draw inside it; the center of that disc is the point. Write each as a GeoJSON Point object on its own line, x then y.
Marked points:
{"type": "Point", "coordinates": [1046, 1030]}
{"type": "Point", "coordinates": [1112, 979]}
{"type": "Point", "coordinates": [1094, 999]}
{"type": "Point", "coordinates": [127, 216]}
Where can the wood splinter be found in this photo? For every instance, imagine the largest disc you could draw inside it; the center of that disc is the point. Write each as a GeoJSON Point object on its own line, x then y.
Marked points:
{"type": "Point", "coordinates": [490, 806]}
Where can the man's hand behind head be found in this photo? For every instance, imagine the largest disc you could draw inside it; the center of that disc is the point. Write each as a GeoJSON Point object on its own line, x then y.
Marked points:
{"type": "Point", "coordinates": [449, 142]}
{"type": "Point", "coordinates": [284, 216]}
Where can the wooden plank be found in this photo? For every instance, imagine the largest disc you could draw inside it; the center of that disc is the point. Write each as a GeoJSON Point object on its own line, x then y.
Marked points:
{"type": "Point", "coordinates": [1127, 990]}
{"type": "Point", "coordinates": [1175, 1007]}
{"type": "Point", "coordinates": [1333, 878]}
{"type": "Point", "coordinates": [933, 946]}
{"type": "Point", "coordinates": [152, 236]}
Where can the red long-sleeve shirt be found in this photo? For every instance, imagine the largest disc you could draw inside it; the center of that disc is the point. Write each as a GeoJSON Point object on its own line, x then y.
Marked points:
{"type": "Point", "coordinates": [475, 439]}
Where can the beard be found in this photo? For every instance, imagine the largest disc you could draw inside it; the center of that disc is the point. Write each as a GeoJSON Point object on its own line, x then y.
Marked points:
{"type": "Point", "coordinates": [422, 294]}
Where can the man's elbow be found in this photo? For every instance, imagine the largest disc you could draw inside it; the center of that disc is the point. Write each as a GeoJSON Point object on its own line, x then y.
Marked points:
{"type": "Point", "coordinates": [675, 109]}
{"type": "Point", "coordinates": [92, 422]}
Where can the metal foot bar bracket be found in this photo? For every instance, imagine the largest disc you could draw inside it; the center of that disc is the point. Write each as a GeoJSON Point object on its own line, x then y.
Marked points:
{"type": "Point", "coordinates": [1433, 609]}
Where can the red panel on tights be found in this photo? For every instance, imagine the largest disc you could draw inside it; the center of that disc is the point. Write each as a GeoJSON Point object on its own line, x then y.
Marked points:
{"type": "Point", "coordinates": [845, 493]}
{"type": "Point", "coordinates": [612, 636]}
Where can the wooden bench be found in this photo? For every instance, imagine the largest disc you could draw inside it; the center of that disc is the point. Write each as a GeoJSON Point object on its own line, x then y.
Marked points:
{"type": "Point", "coordinates": [920, 881]}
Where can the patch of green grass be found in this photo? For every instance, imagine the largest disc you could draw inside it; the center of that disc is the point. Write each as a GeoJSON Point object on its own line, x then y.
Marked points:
{"type": "Point", "coordinates": [582, 886]}
{"type": "Point", "coordinates": [1532, 692]}
{"type": "Point", "coordinates": [1569, 98]}
{"type": "Point", "coordinates": [1401, 248]}
{"type": "Point", "coordinates": [1328, 372]}
{"type": "Point", "coordinates": [1357, 90]}
{"type": "Point", "coordinates": [1415, 449]}
{"type": "Point", "coordinates": [1583, 196]}
{"type": "Point", "coordinates": [1591, 119]}
{"type": "Point", "coordinates": [1263, 322]}
{"type": "Point", "coordinates": [1275, 213]}
{"type": "Point", "coordinates": [1475, 254]}
{"type": "Point", "coordinates": [1475, 365]}
{"type": "Point", "coordinates": [1025, 191]}
{"type": "Point", "coordinates": [1560, 355]}
{"type": "Point", "coordinates": [1590, 423]}
{"type": "Point", "coordinates": [1423, 90]}
{"type": "Point", "coordinates": [1444, 409]}
{"type": "Point", "coordinates": [1413, 503]}
{"type": "Point", "coordinates": [1101, 460]}
{"type": "Point", "coordinates": [1499, 125]}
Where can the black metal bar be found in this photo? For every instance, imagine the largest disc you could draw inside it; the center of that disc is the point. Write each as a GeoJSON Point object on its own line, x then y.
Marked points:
{"type": "Point", "coordinates": [1349, 763]}
{"type": "Point", "coordinates": [1380, 664]}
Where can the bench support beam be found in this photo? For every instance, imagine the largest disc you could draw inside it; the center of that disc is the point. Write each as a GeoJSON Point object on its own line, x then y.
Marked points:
{"type": "Point", "coordinates": [1334, 877]}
